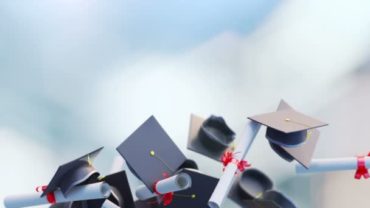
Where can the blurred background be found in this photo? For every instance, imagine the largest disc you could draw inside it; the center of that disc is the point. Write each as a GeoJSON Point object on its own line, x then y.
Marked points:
{"type": "Point", "coordinates": [76, 75]}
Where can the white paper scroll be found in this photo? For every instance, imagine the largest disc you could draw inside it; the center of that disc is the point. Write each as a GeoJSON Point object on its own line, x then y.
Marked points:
{"type": "Point", "coordinates": [78, 193]}
{"type": "Point", "coordinates": [109, 204]}
{"type": "Point", "coordinates": [174, 183]}
{"type": "Point", "coordinates": [335, 164]}
{"type": "Point", "coordinates": [224, 184]}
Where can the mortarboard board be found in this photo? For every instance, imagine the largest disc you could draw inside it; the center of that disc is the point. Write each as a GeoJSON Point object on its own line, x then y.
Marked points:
{"type": "Point", "coordinates": [301, 153]}
{"type": "Point", "coordinates": [150, 153]}
{"type": "Point", "coordinates": [209, 137]}
{"type": "Point", "coordinates": [287, 127]}
{"type": "Point", "coordinates": [248, 185]}
{"type": "Point", "coordinates": [121, 192]}
{"type": "Point", "coordinates": [73, 173]}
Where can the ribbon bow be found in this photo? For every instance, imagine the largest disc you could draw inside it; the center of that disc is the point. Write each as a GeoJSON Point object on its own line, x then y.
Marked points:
{"type": "Point", "coordinates": [229, 157]}
{"type": "Point", "coordinates": [362, 170]}
{"type": "Point", "coordinates": [167, 198]}
{"type": "Point", "coordinates": [50, 196]}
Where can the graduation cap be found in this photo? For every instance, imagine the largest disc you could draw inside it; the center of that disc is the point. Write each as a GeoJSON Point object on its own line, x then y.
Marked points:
{"type": "Point", "coordinates": [73, 173]}
{"type": "Point", "coordinates": [150, 153]}
{"type": "Point", "coordinates": [198, 194]}
{"type": "Point", "coordinates": [303, 152]}
{"type": "Point", "coordinates": [209, 137]}
{"type": "Point", "coordinates": [287, 127]}
{"type": "Point", "coordinates": [254, 189]}
{"type": "Point", "coordinates": [250, 184]}
{"type": "Point", "coordinates": [121, 192]}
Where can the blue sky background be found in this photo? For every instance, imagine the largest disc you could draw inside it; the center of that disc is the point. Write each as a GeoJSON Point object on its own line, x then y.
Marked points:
{"type": "Point", "coordinates": [53, 52]}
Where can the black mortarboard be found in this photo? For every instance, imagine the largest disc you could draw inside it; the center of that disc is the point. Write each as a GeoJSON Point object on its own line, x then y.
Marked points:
{"type": "Point", "coordinates": [198, 194]}
{"type": "Point", "coordinates": [287, 127]}
{"type": "Point", "coordinates": [210, 137]}
{"type": "Point", "coordinates": [248, 185]}
{"type": "Point", "coordinates": [151, 153]}
{"type": "Point", "coordinates": [121, 192]}
{"type": "Point", "coordinates": [303, 152]}
{"type": "Point", "coordinates": [73, 173]}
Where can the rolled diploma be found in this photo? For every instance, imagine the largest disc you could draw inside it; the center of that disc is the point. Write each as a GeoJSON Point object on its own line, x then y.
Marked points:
{"type": "Point", "coordinates": [78, 193]}
{"type": "Point", "coordinates": [335, 164]}
{"type": "Point", "coordinates": [109, 204]}
{"type": "Point", "coordinates": [226, 180]}
{"type": "Point", "coordinates": [174, 183]}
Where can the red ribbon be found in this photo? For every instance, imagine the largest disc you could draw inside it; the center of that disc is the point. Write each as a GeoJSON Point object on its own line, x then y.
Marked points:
{"type": "Point", "coordinates": [49, 196]}
{"type": "Point", "coordinates": [229, 157]}
{"type": "Point", "coordinates": [362, 170]}
{"type": "Point", "coordinates": [166, 198]}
